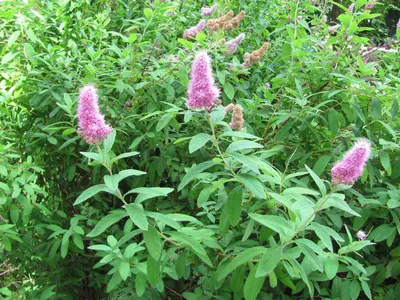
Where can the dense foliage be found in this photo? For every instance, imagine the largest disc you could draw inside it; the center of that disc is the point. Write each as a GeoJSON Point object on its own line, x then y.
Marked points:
{"type": "Point", "coordinates": [185, 203]}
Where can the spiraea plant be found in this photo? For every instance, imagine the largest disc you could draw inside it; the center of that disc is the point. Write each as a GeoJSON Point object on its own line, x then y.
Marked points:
{"type": "Point", "coordinates": [150, 151]}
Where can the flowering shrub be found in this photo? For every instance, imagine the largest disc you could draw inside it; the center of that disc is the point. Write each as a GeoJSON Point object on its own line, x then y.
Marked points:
{"type": "Point", "coordinates": [139, 164]}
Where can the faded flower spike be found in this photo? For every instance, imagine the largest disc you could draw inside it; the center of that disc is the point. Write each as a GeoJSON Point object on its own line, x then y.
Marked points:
{"type": "Point", "coordinates": [92, 126]}
{"type": "Point", "coordinates": [193, 31]}
{"type": "Point", "coordinates": [350, 168]}
{"type": "Point", "coordinates": [208, 11]}
{"type": "Point", "coordinates": [202, 91]}
{"type": "Point", "coordinates": [233, 44]}
{"type": "Point", "coordinates": [237, 121]}
{"type": "Point", "coordinates": [255, 56]}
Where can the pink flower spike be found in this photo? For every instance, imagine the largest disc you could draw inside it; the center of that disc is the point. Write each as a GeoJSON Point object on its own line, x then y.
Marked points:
{"type": "Point", "coordinates": [351, 7]}
{"type": "Point", "coordinates": [208, 11]}
{"type": "Point", "coordinates": [202, 91]}
{"type": "Point", "coordinates": [398, 24]}
{"type": "Point", "coordinates": [92, 126]}
{"type": "Point", "coordinates": [193, 31]}
{"type": "Point", "coordinates": [233, 44]}
{"type": "Point", "coordinates": [350, 168]}
{"type": "Point", "coordinates": [267, 85]}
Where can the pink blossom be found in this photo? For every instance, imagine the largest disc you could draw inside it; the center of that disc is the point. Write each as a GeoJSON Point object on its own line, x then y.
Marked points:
{"type": "Point", "coordinates": [361, 235]}
{"type": "Point", "coordinates": [202, 91]}
{"type": "Point", "coordinates": [398, 24]}
{"type": "Point", "coordinates": [351, 7]}
{"type": "Point", "coordinates": [193, 31]}
{"type": "Point", "coordinates": [208, 11]}
{"type": "Point", "coordinates": [370, 6]}
{"type": "Point", "coordinates": [92, 126]}
{"type": "Point", "coordinates": [332, 29]}
{"type": "Point", "coordinates": [350, 168]}
{"type": "Point", "coordinates": [233, 44]}
{"type": "Point", "coordinates": [267, 85]}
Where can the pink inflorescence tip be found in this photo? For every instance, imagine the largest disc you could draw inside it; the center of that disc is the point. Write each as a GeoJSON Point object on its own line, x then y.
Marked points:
{"type": "Point", "coordinates": [398, 24]}
{"type": "Point", "coordinates": [361, 235]}
{"type": "Point", "coordinates": [208, 11]}
{"type": "Point", "coordinates": [350, 168]}
{"type": "Point", "coordinates": [233, 44]}
{"type": "Point", "coordinates": [92, 126]}
{"type": "Point", "coordinates": [193, 31]}
{"type": "Point", "coordinates": [351, 7]}
{"type": "Point", "coordinates": [202, 91]}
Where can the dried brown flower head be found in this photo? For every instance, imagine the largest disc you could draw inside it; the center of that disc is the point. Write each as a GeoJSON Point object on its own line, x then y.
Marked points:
{"type": "Point", "coordinates": [255, 56]}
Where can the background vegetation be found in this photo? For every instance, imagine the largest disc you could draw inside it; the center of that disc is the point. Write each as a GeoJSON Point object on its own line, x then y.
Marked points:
{"type": "Point", "coordinates": [217, 213]}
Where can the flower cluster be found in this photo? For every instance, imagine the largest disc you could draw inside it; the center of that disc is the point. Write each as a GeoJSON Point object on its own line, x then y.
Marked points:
{"type": "Point", "coordinates": [350, 168]}
{"type": "Point", "coordinates": [361, 235]}
{"type": "Point", "coordinates": [255, 56]}
{"type": "Point", "coordinates": [233, 44]}
{"type": "Point", "coordinates": [351, 7]}
{"type": "Point", "coordinates": [193, 31]}
{"type": "Point", "coordinates": [202, 91]}
{"type": "Point", "coordinates": [92, 126]}
{"type": "Point", "coordinates": [225, 22]}
{"type": "Point", "coordinates": [208, 11]}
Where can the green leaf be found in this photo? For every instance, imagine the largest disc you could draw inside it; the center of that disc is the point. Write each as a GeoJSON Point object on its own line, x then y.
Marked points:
{"type": "Point", "coordinates": [8, 57]}
{"type": "Point", "coordinates": [12, 38]}
{"type": "Point", "coordinates": [148, 193]}
{"type": "Point", "coordinates": [269, 261]}
{"type": "Point", "coordinates": [180, 264]}
{"type": "Point", "coordinates": [241, 258]}
{"type": "Point", "coordinates": [148, 13]}
{"type": "Point", "coordinates": [198, 141]}
{"type": "Point", "coordinates": [321, 164]}
{"type": "Point", "coordinates": [137, 215]}
{"type": "Point", "coordinates": [366, 289]}
{"type": "Point", "coordinates": [229, 90]}
{"type": "Point", "coordinates": [192, 243]}
{"type": "Point", "coordinates": [385, 161]}
{"type": "Point", "coordinates": [217, 115]}
{"type": "Point", "coordinates": [317, 180]}
{"type": "Point", "coordinates": [90, 192]}
{"type": "Point", "coordinates": [243, 144]}
{"type": "Point", "coordinates": [130, 172]}
{"type": "Point", "coordinates": [234, 205]}
{"type": "Point", "coordinates": [253, 285]}
{"type": "Point", "coordinates": [124, 270]}
{"type": "Point", "coordinates": [354, 289]}
{"type": "Point", "coordinates": [375, 108]}
{"type": "Point", "coordinates": [253, 185]}
{"type": "Point", "coordinates": [331, 267]}
{"type": "Point", "coordinates": [109, 141]}
{"type": "Point", "coordinates": [131, 250]}
{"type": "Point", "coordinates": [310, 254]}
{"type": "Point", "coordinates": [65, 244]}
{"type": "Point", "coordinates": [247, 161]}
{"type": "Point", "coordinates": [354, 246]}
{"type": "Point", "coordinates": [153, 242]}
{"type": "Point", "coordinates": [112, 181]}
{"type": "Point", "coordinates": [333, 121]}
{"type": "Point", "coordinates": [165, 219]}
{"type": "Point", "coordinates": [164, 120]}
{"type": "Point", "coordinates": [394, 109]}
{"type": "Point", "coordinates": [153, 271]}
{"type": "Point", "coordinates": [186, 43]}
{"type": "Point", "coordinates": [140, 284]}
{"type": "Point", "coordinates": [14, 213]}
{"type": "Point", "coordinates": [337, 200]}
{"type": "Point", "coordinates": [194, 171]}
{"type": "Point", "coordinates": [107, 221]}
{"type": "Point", "coordinates": [276, 223]}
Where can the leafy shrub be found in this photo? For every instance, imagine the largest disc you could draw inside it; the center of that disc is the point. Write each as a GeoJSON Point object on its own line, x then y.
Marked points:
{"type": "Point", "coordinates": [175, 202]}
